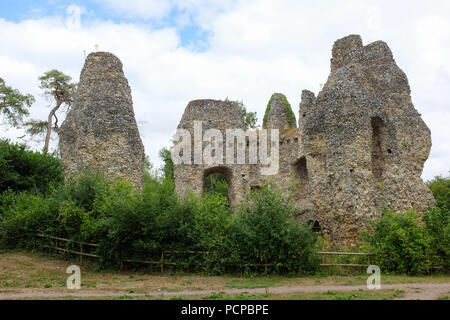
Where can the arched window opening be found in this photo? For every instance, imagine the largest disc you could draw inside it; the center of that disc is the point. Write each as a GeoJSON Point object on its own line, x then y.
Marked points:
{"type": "Point", "coordinates": [315, 226]}
{"type": "Point", "coordinates": [216, 181]}
{"type": "Point", "coordinates": [378, 139]}
{"type": "Point", "coordinates": [302, 172]}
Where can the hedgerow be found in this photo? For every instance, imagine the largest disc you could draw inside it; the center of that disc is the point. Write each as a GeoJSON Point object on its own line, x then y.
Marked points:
{"type": "Point", "coordinates": [132, 224]}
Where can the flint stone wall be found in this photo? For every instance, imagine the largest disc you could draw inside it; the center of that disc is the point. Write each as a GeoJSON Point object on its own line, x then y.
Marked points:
{"type": "Point", "coordinates": [100, 130]}
{"type": "Point", "coordinates": [359, 148]}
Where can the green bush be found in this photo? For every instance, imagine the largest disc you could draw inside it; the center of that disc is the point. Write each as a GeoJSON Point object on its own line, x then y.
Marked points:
{"type": "Point", "coordinates": [27, 216]}
{"type": "Point", "coordinates": [65, 211]}
{"type": "Point", "coordinates": [120, 224]}
{"type": "Point", "coordinates": [437, 222]}
{"type": "Point", "coordinates": [217, 184]}
{"type": "Point", "coordinates": [440, 187]}
{"type": "Point", "coordinates": [400, 244]}
{"type": "Point", "coordinates": [132, 224]}
{"type": "Point", "coordinates": [23, 170]}
{"type": "Point", "coordinates": [210, 231]}
{"type": "Point", "coordinates": [8, 199]}
{"type": "Point", "coordinates": [264, 231]}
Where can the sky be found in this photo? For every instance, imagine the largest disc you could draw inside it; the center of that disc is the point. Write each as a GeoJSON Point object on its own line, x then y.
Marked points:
{"type": "Point", "coordinates": [177, 51]}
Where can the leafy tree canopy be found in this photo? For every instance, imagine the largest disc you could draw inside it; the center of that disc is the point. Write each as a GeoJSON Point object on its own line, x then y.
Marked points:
{"type": "Point", "coordinates": [13, 104]}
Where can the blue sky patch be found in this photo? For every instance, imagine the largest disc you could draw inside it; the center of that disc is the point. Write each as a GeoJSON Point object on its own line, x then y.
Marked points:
{"type": "Point", "coordinates": [191, 34]}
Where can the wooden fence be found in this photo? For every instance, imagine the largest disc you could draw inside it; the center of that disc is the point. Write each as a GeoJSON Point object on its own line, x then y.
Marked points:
{"type": "Point", "coordinates": [86, 248]}
{"type": "Point", "coordinates": [82, 245]}
{"type": "Point", "coordinates": [325, 263]}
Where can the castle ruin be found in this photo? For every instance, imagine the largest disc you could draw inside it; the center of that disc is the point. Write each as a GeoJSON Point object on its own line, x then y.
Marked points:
{"type": "Point", "coordinates": [358, 147]}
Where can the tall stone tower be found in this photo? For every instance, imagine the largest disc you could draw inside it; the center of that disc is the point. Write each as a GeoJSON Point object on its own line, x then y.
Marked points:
{"type": "Point", "coordinates": [213, 114]}
{"type": "Point", "coordinates": [100, 131]}
{"type": "Point", "coordinates": [364, 142]}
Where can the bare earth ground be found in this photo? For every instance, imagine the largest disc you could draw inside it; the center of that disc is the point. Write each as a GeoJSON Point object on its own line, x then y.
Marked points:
{"type": "Point", "coordinates": [25, 275]}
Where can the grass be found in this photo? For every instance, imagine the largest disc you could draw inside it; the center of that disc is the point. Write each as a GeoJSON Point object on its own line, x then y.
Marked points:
{"type": "Point", "coordinates": [27, 271]}
{"type": "Point", "coordinates": [252, 283]}
{"type": "Point", "coordinates": [327, 295]}
{"type": "Point", "coordinates": [387, 294]}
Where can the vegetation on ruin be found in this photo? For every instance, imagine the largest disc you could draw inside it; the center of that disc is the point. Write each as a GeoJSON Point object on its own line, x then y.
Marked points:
{"type": "Point", "coordinates": [287, 109]}
{"type": "Point", "coordinates": [216, 184]}
{"type": "Point", "coordinates": [250, 118]}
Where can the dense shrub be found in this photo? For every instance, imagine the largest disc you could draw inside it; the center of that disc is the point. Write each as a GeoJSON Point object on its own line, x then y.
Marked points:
{"type": "Point", "coordinates": [217, 184]}
{"type": "Point", "coordinates": [7, 199]}
{"type": "Point", "coordinates": [27, 216]}
{"type": "Point", "coordinates": [120, 224]}
{"type": "Point", "coordinates": [66, 211]}
{"type": "Point", "coordinates": [22, 169]}
{"type": "Point", "coordinates": [211, 229]}
{"type": "Point", "coordinates": [400, 244]}
{"type": "Point", "coordinates": [131, 224]}
{"type": "Point", "coordinates": [264, 231]}
{"type": "Point", "coordinates": [440, 187]}
{"type": "Point", "coordinates": [437, 222]}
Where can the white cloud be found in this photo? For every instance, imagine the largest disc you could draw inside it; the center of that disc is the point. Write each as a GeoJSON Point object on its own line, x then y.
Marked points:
{"type": "Point", "coordinates": [256, 48]}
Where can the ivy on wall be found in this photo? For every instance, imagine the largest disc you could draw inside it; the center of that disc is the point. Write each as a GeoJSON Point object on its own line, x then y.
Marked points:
{"type": "Point", "coordinates": [290, 116]}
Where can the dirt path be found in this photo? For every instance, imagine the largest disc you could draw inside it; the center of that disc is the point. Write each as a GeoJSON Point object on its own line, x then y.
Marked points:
{"type": "Point", "coordinates": [413, 291]}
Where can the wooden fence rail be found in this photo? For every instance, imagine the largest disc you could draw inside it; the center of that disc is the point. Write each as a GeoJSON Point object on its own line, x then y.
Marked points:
{"type": "Point", "coordinates": [162, 262]}
{"type": "Point", "coordinates": [324, 263]}
{"type": "Point", "coordinates": [81, 244]}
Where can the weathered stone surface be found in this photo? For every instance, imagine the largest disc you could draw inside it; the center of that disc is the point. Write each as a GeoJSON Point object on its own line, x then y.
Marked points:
{"type": "Point", "coordinates": [364, 142]}
{"type": "Point", "coordinates": [213, 114]}
{"type": "Point", "coordinates": [359, 148]}
{"type": "Point", "coordinates": [100, 130]}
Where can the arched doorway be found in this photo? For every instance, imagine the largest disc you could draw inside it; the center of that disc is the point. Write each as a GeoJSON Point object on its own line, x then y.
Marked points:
{"type": "Point", "coordinates": [217, 181]}
{"type": "Point", "coordinates": [302, 172]}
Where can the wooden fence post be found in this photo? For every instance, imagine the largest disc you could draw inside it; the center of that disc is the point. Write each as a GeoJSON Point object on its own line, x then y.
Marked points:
{"type": "Point", "coordinates": [162, 262]}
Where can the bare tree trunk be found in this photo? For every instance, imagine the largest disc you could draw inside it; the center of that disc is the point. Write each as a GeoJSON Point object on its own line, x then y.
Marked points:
{"type": "Point", "coordinates": [49, 127]}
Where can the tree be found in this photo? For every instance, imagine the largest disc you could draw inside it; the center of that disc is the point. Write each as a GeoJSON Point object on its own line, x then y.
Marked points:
{"type": "Point", "coordinates": [440, 187]}
{"type": "Point", "coordinates": [58, 87]}
{"type": "Point", "coordinates": [25, 170]}
{"type": "Point", "coordinates": [167, 169]}
{"type": "Point", "coordinates": [13, 104]}
{"type": "Point", "coordinates": [250, 118]}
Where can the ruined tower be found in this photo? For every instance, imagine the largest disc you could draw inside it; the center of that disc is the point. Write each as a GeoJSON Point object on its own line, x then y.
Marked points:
{"type": "Point", "coordinates": [100, 130]}
{"type": "Point", "coordinates": [212, 114]}
{"type": "Point", "coordinates": [364, 142]}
